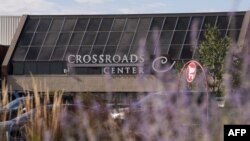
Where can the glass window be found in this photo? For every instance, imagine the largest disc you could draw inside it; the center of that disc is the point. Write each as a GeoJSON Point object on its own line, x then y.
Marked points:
{"type": "Point", "coordinates": [101, 38]}
{"type": "Point", "coordinates": [76, 39]}
{"type": "Point", "coordinates": [222, 22]}
{"type": "Point", "coordinates": [32, 53]}
{"type": "Point", "coordinates": [45, 53]}
{"type": "Point", "coordinates": [93, 24]}
{"type": "Point", "coordinates": [56, 24]}
{"type": "Point", "coordinates": [71, 50]}
{"type": "Point", "coordinates": [44, 25]}
{"type": "Point", "coordinates": [118, 24]}
{"type": "Point", "coordinates": [30, 67]}
{"type": "Point", "coordinates": [192, 37]}
{"type": "Point", "coordinates": [81, 24]}
{"type": "Point", "coordinates": [42, 67]}
{"type": "Point", "coordinates": [131, 24]}
{"type": "Point", "coordinates": [58, 53]}
{"type": "Point", "coordinates": [174, 51]}
{"type": "Point", "coordinates": [169, 23]}
{"type": "Point", "coordinates": [178, 37]}
{"type": "Point", "coordinates": [166, 37]}
{"type": "Point", "coordinates": [157, 23]}
{"type": "Point", "coordinates": [121, 50]}
{"type": "Point", "coordinates": [153, 38]}
{"type": "Point", "coordinates": [69, 24]}
{"type": "Point", "coordinates": [236, 22]}
{"type": "Point", "coordinates": [20, 53]}
{"type": "Point", "coordinates": [50, 39]}
{"type": "Point", "coordinates": [89, 38]}
{"type": "Point", "coordinates": [144, 24]}
{"type": "Point", "coordinates": [209, 20]}
{"type": "Point", "coordinates": [63, 39]}
{"type": "Point", "coordinates": [110, 50]}
{"type": "Point", "coordinates": [140, 37]}
{"type": "Point", "coordinates": [31, 25]}
{"type": "Point", "coordinates": [126, 38]}
{"type": "Point", "coordinates": [84, 50]}
{"type": "Point", "coordinates": [196, 22]}
{"type": "Point", "coordinates": [114, 38]}
{"type": "Point", "coordinates": [182, 23]}
{"type": "Point", "coordinates": [38, 39]}
{"type": "Point", "coordinates": [106, 24]}
{"type": "Point", "coordinates": [187, 52]}
{"type": "Point", "coordinates": [97, 50]}
{"type": "Point", "coordinates": [165, 49]}
{"type": "Point", "coordinates": [233, 34]}
{"type": "Point", "coordinates": [25, 39]}
{"type": "Point", "coordinates": [202, 36]}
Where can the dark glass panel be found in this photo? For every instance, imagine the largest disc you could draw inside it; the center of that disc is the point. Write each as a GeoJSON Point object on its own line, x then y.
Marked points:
{"type": "Point", "coordinates": [69, 25]}
{"type": "Point", "coordinates": [192, 37]}
{"type": "Point", "coordinates": [178, 37]}
{"type": "Point", "coordinates": [31, 25]}
{"type": "Point", "coordinates": [45, 53]}
{"type": "Point", "coordinates": [18, 68]}
{"type": "Point", "coordinates": [56, 24]}
{"type": "Point", "coordinates": [25, 39]}
{"type": "Point", "coordinates": [97, 50]}
{"type": "Point", "coordinates": [81, 24]}
{"type": "Point", "coordinates": [84, 50]}
{"type": "Point", "coordinates": [202, 36]}
{"type": "Point", "coordinates": [106, 24]}
{"type": "Point", "coordinates": [164, 49]}
{"type": "Point", "coordinates": [153, 38]}
{"type": "Point", "coordinates": [196, 23]}
{"type": "Point", "coordinates": [20, 53]}
{"type": "Point", "coordinates": [114, 38]}
{"type": "Point", "coordinates": [58, 53]}
{"type": "Point", "coordinates": [101, 38]}
{"type": "Point", "coordinates": [169, 23]}
{"type": "Point", "coordinates": [110, 50]}
{"type": "Point", "coordinates": [133, 49]}
{"type": "Point", "coordinates": [51, 39]}
{"type": "Point", "coordinates": [174, 51]}
{"type": "Point", "coordinates": [140, 37]}
{"type": "Point", "coordinates": [233, 34]}
{"type": "Point", "coordinates": [89, 38]}
{"type": "Point", "coordinates": [236, 22]}
{"type": "Point", "coordinates": [29, 67]}
{"type": "Point", "coordinates": [182, 23]}
{"type": "Point", "coordinates": [71, 50]}
{"type": "Point", "coordinates": [118, 24]}
{"type": "Point", "coordinates": [223, 33]}
{"type": "Point", "coordinates": [126, 38]}
{"type": "Point", "coordinates": [144, 24]}
{"type": "Point", "coordinates": [157, 23]}
{"type": "Point", "coordinates": [93, 24]}
{"type": "Point", "coordinates": [187, 52]}
{"type": "Point", "coordinates": [32, 53]}
{"type": "Point", "coordinates": [166, 37]}
{"type": "Point", "coordinates": [38, 39]}
{"type": "Point", "coordinates": [44, 25]}
{"type": "Point", "coordinates": [209, 20]}
{"type": "Point", "coordinates": [63, 39]}
{"type": "Point", "coordinates": [131, 24]}
{"type": "Point", "coordinates": [42, 67]}
{"type": "Point", "coordinates": [56, 67]}
{"type": "Point", "coordinates": [76, 39]}
{"type": "Point", "coordinates": [121, 50]}
{"type": "Point", "coordinates": [222, 22]}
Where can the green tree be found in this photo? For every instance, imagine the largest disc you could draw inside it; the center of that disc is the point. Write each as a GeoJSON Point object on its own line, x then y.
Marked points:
{"type": "Point", "coordinates": [212, 54]}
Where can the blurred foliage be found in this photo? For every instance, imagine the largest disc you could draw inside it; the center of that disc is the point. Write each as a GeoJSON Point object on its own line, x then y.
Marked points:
{"type": "Point", "coordinates": [212, 53]}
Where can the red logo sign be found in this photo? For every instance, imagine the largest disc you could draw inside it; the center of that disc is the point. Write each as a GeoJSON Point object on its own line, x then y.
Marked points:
{"type": "Point", "coordinates": [191, 72]}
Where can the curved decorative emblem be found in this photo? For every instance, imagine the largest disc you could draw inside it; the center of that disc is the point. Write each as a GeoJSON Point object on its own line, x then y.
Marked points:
{"type": "Point", "coordinates": [163, 61]}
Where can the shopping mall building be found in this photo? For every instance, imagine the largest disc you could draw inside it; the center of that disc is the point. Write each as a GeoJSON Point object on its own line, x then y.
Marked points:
{"type": "Point", "coordinates": [118, 54]}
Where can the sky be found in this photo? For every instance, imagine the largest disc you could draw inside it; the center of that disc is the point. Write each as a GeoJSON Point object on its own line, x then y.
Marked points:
{"type": "Point", "coordinates": [48, 7]}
